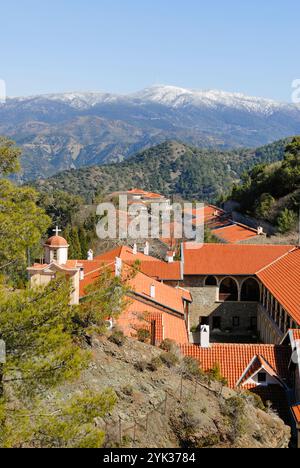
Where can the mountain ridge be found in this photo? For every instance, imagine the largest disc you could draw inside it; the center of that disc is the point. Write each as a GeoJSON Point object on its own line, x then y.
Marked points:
{"type": "Point", "coordinates": [161, 94]}
{"type": "Point", "coordinates": [172, 168]}
{"type": "Point", "coordinates": [76, 130]}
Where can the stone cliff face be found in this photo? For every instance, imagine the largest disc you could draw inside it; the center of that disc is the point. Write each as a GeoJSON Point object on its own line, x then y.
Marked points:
{"type": "Point", "coordinates": [158, 408]}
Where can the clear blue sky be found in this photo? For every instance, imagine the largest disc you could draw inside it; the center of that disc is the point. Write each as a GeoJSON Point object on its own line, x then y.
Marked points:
{"type": "Point", "coordinates": [250, 46]}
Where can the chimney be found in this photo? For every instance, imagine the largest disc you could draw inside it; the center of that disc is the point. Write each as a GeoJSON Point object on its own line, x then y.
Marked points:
{"type": "Point", "coordinates": [118, 267]}
{"type": "Point", "coordinates": [81, 274]}
{"type": "Point", "coordinates": [170, 256]}
{"type": "Point", "coordinates": [260, 230]}
{"type": "Point", "coordinates": [204, 336]}
{"type": "Point", "coordinates": [90, 255]}
{"type": "Point", "coordinates": [152, 291]}
{"type": "Point", "coordinates": [147, 249]}
{"type": "Point", "coordinates": [134, 250]}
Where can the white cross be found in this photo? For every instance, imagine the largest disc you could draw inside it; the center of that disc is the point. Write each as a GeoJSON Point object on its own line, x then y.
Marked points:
{"type": "Point", "coordinates": [56, 230]}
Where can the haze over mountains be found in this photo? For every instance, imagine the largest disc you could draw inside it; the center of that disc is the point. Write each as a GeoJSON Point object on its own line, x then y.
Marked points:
{"type": "Point", "coordinates": [65, 131]}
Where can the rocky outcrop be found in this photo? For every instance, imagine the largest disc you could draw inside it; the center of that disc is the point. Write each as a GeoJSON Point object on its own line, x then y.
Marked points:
{"type": "Point", "coordinates": [157, 407]}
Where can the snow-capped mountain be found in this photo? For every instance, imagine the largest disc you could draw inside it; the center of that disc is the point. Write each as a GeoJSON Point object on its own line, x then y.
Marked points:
{"type": "Point", "coordinates": [169, 96]}
{"type": "Point", "coordinates": [175, 97]}
{"type": "Point", "coordinates": [71, 130]}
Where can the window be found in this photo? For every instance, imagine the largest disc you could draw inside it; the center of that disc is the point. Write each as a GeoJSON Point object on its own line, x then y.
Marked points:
{"type": "Point", "coordinates": [211, 281]}
{"type": "Point", "coordinates": [228, 290]}
{"type": "Point", "coordinates": [236, 322]}
{"type": "Point", "coordinates": [216, 323]}
{"type": "Point", "coordinates": [262, 377]}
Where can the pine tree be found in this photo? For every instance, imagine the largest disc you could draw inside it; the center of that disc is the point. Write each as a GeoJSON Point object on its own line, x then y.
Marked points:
{"type": "Point", "coordinates": [84, 242]}
{"type": "Point", "coordinates": [43, 336]}
{"type": "Point", "coordinates": [72, 237]}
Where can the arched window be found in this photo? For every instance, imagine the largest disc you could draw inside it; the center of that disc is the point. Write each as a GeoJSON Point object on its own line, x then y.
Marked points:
{"type": "Point", "coordinates": [211, 281]}
{"type": "Point", "coordinates": [250, 291]}
{"type": "Point", "coordinates": [228, 290]}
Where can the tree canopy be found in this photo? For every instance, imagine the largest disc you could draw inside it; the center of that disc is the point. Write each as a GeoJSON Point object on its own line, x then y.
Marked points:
{"type": "Point", "coordinates": [272, 192]}
{"type": "Point", "coordinates": [22, 222]}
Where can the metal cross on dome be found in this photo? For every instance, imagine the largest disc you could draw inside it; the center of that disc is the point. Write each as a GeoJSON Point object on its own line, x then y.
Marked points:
{"type": "Point", "coordinates": [56, 230]}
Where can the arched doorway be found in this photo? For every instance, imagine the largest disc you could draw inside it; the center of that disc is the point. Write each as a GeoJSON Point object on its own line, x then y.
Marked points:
{"type": "Point", "coordinates": [211, 281]}
{"type": "Point", "coordinates": [228, 290]}
{"type": "Point", "coordinates": [250, 291]}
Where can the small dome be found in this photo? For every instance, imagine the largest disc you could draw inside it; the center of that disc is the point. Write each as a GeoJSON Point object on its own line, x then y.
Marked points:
{"type": "Point", "coordinates": [57, 241]}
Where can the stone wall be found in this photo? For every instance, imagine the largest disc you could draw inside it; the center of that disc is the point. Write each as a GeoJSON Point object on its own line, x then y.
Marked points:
{"type": "Point", "coordinates": [267, 328]}
{"type": "Point", "coordinates": [206, 305]}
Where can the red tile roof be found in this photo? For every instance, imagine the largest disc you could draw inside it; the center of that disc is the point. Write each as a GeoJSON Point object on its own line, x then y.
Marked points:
{"type": "Point", "coordinates": [57, 241]}
{"type": "Point", "coordinates": [296, 334]}
{"type": "Point", "coordinates": [144, 193]}
{"type": "Point", "coordinates": [162, 270]}
{"type": "Point", "coordinates": [149, 265]}
{"type": "Point", "coordinates": [258, 363]}
{"type": "Point", "coordinates": [139, 316]}
{"type": "Point", "coordinates": [282, 279]}
{"type": "Point", "coordinates": [223, 259]}
{"type": "Point", "coordinates": [166, 296]}
{"type": "Point", "coordinates": [235, 233]}
{"type": "Point", "coordinates": [69, 265]}
{"type": "Point", "coordinates": [296, 413]}
{"type": "Point", "coordinates": [234, 359]}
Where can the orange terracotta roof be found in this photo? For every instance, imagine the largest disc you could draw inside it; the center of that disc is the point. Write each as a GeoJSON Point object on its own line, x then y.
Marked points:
{"type": "Point", "coordinates": [162, 270]}
{"type": "Point", "coordinates": [186, 294]}
{"type": "Point", "coordinates": [208, 212]}
{"type": "Point", "coordinates": [175, 329]}
{"type": "Point", "coordinates": [259, 363]}
{"type": "Point", "coordinates": [296, 413]}
{"type": "Point", "coordinates": [282, 279]}
{"type": "Point", "coordinates": [138, 315]}
{"type": "Point", "coordinates": [166, 296]}
{"type": "Point", "coordinates": [234, 359]}
{"type": "Point", "coordinates": [149, 265]}
{"type": "Point", "coordinates": [93, 274]}
{"type": "Point", "coordinates": [57, 241]}
{"type": "Point", "coordinates": [296, 334]}
{"type": "Point", "coordinates": [69, 265]}
{"type": "Point", "coordinates": [235, 233]}
{"type": "Point", "coordinates": [226, 259]}
{"type": "Point", "coordinates": [144, 193]}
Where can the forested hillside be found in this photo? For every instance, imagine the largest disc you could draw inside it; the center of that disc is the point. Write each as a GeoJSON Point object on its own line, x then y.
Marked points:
{"type": "Point", "coordinates": [170, 168]}
{"type": "Point", "coordinates": [272, 191]}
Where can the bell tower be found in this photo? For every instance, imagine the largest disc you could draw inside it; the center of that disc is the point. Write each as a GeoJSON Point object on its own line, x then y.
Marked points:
{"type": "Point", "coordinates": [56, 249]}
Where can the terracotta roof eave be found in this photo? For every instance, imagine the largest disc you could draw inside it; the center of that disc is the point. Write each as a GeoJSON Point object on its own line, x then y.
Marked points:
{"type": "Point", "coordinates": [59, 267]}
{"type": "Point", "coordinates": [148, 298]}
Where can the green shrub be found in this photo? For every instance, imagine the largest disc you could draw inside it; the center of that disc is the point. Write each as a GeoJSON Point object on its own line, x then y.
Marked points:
{"type": "Point", "coordinates": [143, 335]}
{"type": "Point", "coordinates": [169, 359]}
{"type": "Point", "coordinates": [155, 364]}
{"type": "Point", "coordinates": [286, 221]}
{"type": "Point", "coordinates": [215, 374]}
{"type": "Point", "coordinates": [117, 337]}
{"type": "Point", "coordinates": [234, 410]}
{"type": "Point", "coordinates": [168, 345]}
{"type": "Point", "coordinates": [191, 367]}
